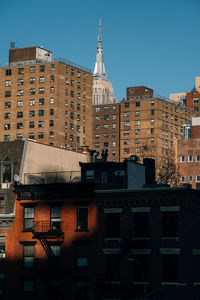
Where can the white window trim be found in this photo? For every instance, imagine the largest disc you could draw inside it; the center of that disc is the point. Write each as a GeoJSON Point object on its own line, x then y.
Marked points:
{"type": "Point", "coordinates": [169, 208]}
{"type": "Point", "coordinates": [174, 251]}
{"type": "Point", "coordinates": [112, 210]}
{"type": "Point", "coordinates": [140, 209]}
{"type": "Point", "coordinates": [111, 250]}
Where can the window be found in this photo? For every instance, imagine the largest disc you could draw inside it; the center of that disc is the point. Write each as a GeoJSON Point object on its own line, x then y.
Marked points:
{"type": "Point", "coordinates": [28, 256]}
{"type": "Point", "coordinates": [19, 136]}
{"type": "Point", "coordinates": [126, 132]}
{"type": "Point", "coordinates": [112, 264]}
{"type": "Point", "coordinates": [126, 104]}
{"type": "Point", "coordinates": [137, 131]}
{"type": "Point", "coordinates": [20, 103]}
{"type": "Point", "coordinates": [105, 144]}
{"type": "Point", "coordinates": [97, 126]}
{"type": "Point", "coordinates": [8, 83]}
{"type": "Point", "coordinates": [170, 268]}
{"type": "Point", "coordinates": [20, 92]}
{"type": "Point", "coordinates": [126, 114]}
{"type": "Point", "coordinates": [137, 113]}
{"type": "Point", "coordinates": [41, 79]}
{"type": "Point", "coordinates": [190, 178]}
{"type": "Point", "coordinates": [97, 136]}
{"type": "Point", "coordinates": [51, 112]}
{"type": "Point", "coordinates": [20, 70]}
{"type": "Point", "coordinates": [126, 142]}
{"type": "Point", "coordinates": [42, 68]}
{"type": "Point", "coordinates": [19, 125]}
{"type": "Point", "coordinates": [6, 137]}
{"type": "Point", "coordinates": [114, 117]}
{"type": "Point", "coordinates": [31, 136]}
{"type": "Point", "coordinates": [72, 71]}
{"type": "Point", "coordinates": [32, 91]}
{"type": "Point", "coordinates": [52, 89]}
{"type": "Point", "coordinates": [106, 117]}
{"type": "Point", "coordinates": [41, 90]}
{"type": "Point", "coordinates": [126, 150]}
{"type": "Point", "coordinates": [8, 72]}
{"type": "Point", "coordinates": [20, 114]}
{"type": "Point", "coordinates": [7, 105]}
{"type": "Point", "coordinates": [51, 100]}
{"type": "Point", "coordinates": [190, 158]}
{"type": "Point", "coordinates": [6, 167]}
{"type": "Point", "coordinates": [152, 111]}
{"type": "Point", "coordinates": [82, 255]}
{"type": "Point", "coordinates": [78, 128]}
{"type": "Point", "coordinates": [41, 112]}
{"type": "Point", "coordinates": [137, 123]}
{"type": "Point", "coordinates": [105, 126]}
{"type": "Point", "coordinates": [71, 137]}
{"type": "Point", "coordinates": [198, 158]}
{"type": "Point", "coordinates": [31, 125]}
{"type": "Point", "coordinates": [28, 218]}
{"type": "Point", "coordinates": [66, 92]}
{"type": "Point", "coordinates": [137, 141]}
{"type": "Point", "coordinates": [20, 81]}
{"type": "Point", "coordinates": [7, 116]}
{"type": "Point", "coordinates": [7, 94]}
{"type": "Point", "coordinates": [78, 106]}
{"type": "Point", "coordinates": [182, 179]}
{"type": "Point", "coordinates": [113, 225]}
{"type": "Point", "coordinates": [6, 126]}
{"type": "Point", "coordinates": [31, 102]}
{"type": "Point", "coordinates": [78, 117]}
{"type": "Point", "coordinates": [52, 67]}
{"type": "Point", "coordinates": [198, 178]}
{"type": "Point", "coordinates": [126, 123]}
{"type": "Point", "coordinates": [97, 109]}
{"type": "Point", "coordinates": [32, 69]}
{"type": "Point", "coordinates": [41, 101]}
{"type": "Point", "coordinates": [55, 217]}
{"type": "Point", "coordinates": [51, 134]}
{"type": "Point", "coordinates": [182, 158]}
{"type": "Point", "coordinates": [72, 94]}
{"type": "Point", "coordinates": [31, 113]}
{"type": "Point", "coordinates": [137, 104]}
{"type": "Point", "coordinates": [51, 123]}
{"type": "Point", "coordinates": [2, 248]}
{"type": "Point", "coordinates": [152, 130]}
{"type": "Point", "coordinates": [114, 144]}
{"type": "Point", "coordinates": [40, 135]}
{"type": "Point", "coordinates": [52, 78]}
{"type": "Point", "coordinates": [82, 218]}
{"type": "Point", "coordinates": [196, 100]}
{"type": "Point", "coordinates": [141, 224]}
{"type": "Point", "coordinates": [40, 123]}
{"type": "Point", "coordinates": [170, 223]}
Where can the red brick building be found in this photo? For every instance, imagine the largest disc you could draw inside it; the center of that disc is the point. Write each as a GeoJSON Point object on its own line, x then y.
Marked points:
{"type": "Point", "coordinates": [188, 154]}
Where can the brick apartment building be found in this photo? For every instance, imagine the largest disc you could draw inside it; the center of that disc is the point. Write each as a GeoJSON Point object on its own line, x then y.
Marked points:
{"type": "Point", "coordinates": [71, 241]}
{"type": "Point", "coordinates": [142, 125]}
{"type": "Point", "coordinates": [188, 154]}
{"type": "Point", "coordinates": [190, 99]}
{"type": "Point", "coordinates": [45, 99]}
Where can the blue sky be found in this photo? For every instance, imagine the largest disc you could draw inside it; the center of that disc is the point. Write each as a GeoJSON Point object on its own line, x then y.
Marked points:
{"type": "Point", "coordinates": [155, 43]}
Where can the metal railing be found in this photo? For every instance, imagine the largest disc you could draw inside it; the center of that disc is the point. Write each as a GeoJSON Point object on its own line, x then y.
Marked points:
{"type": "Point", "coordinates": [55, 59]}
{"type": "Point", "coordinates": [52, 177]}
{"type": "Point", "coordinates": [47, 227]}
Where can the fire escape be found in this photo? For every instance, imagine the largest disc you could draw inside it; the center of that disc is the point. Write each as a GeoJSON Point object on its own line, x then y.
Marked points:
{"type": "Point", "coordinates": [45, 232]}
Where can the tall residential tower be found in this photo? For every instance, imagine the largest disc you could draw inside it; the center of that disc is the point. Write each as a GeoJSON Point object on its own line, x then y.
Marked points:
{"type": "Point", "coordinates": [102, 87]}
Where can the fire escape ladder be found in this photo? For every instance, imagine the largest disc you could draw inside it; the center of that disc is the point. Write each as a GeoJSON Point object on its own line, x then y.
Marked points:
{"type": "Point", "coordinates": [45, 245]}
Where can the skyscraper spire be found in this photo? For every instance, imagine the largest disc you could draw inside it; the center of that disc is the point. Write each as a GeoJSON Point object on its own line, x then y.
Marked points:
{"type": "Point", "coordinates": [99, 70]}
{"type": "Point", "coordinates": [102, 87]}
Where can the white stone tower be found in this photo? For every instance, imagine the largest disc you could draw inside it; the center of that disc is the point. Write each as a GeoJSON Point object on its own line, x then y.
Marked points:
{"type": "Point", "coordinates": [102, 88]}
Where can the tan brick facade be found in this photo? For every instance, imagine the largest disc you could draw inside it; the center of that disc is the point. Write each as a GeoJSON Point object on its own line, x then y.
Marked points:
{"type": "Point", "coordinates": [50, 102]}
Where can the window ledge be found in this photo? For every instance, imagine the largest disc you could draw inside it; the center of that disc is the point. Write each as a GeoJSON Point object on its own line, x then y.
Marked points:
{"type": "Point", "coordinates": [174, 283]}
{"type": "Point", "coordinates": [196, 283]}
{"type": "Point", "coordinates": [113, 282]}
{"type": "Point", "coordinates": [141, 238]}
{"type": "Point", "coordinates": [112, 239]}
{"type": "Point", "coordinates": [141, 283]}
{"type": "Point", "coordinates": [170, 238]}
{"type": "Point", "coordinates": [81, 230]}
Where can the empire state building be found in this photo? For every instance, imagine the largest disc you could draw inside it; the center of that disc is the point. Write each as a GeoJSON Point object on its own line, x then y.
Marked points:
{"type": "Point", "coordinates": [102, 87]}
